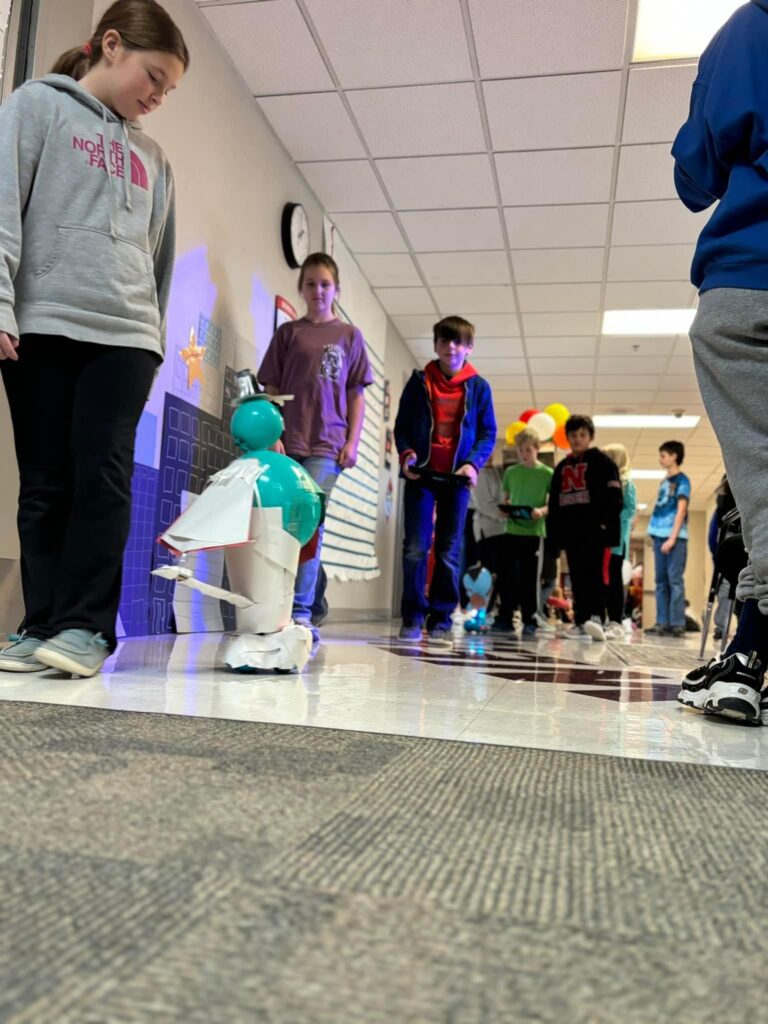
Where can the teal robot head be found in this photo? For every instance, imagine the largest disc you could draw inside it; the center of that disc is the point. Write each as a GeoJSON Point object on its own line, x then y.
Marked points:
{"type": "Point", "coordinates": [282, 483]}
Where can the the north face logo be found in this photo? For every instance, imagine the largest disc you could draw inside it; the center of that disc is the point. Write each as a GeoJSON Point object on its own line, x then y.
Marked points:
{"type": "Point", "coordinates": [97, 157]}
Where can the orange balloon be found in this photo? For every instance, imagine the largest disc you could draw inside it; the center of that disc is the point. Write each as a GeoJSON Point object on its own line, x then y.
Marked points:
{"type": "Point", "coordinates": [560, 439]}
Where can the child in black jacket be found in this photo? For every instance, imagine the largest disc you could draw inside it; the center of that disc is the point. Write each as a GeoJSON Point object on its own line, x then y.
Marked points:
{"type": "Point", "coordinates": [584, 520]}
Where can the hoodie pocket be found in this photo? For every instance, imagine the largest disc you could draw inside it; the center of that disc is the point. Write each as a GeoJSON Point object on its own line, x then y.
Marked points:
{"type": "Point", "coordinates": [90, 269]}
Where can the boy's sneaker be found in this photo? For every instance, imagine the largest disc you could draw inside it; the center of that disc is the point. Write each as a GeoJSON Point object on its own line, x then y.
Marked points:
{"type": "Point", "coordinates": [734, 688]}
{"type": "Point", "coordinates": [657, 630]}
{"type": "Point", "coordinates": [77, 651]}
{"type": "Point", "coordinates": [678, 632]}
{"type": "Point", "coordinates": [694, 686]}
{"type": "Point", "coordinates": [594, 628]}
{"type": "Point", "coordinates": [21, 655]}
{"type": "Point", "coordinates": [544, 625]}
{"type": "Point", "coordinates": [410, 631]}
{"type": "Point", "coordinates": [529, 631]}
{"type": "Point", "coordinates": [614, 631]}
{"type": "Point", "coordinates": [764, 707]}
{"type": "Point", "coordinates": [440, 635]}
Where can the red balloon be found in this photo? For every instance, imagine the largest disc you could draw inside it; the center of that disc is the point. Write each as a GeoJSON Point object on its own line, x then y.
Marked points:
{"type": "Point", "coordinates": [525, 416]}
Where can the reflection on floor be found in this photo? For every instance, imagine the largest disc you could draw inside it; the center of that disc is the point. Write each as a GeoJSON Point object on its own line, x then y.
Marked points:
{"type": "Point", "coordinates": [615, 698]}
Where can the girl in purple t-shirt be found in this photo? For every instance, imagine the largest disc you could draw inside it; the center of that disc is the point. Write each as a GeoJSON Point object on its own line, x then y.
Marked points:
{"type": "Point", "coordinates": [322, 362]}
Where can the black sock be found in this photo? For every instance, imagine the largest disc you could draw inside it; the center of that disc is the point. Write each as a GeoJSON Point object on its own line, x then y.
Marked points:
{"type": "Point", "coordinates": [751, 633]}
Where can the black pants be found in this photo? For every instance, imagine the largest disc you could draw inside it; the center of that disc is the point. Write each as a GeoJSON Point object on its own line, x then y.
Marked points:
{"type": "Point", "coordinates": [616, 594]}
{"type": "Point", "coordinates": [588, 582]}
{"type": "Point", "coordinates": [74, 407]}
{"type": "Point", "coordinates": [518, 582]}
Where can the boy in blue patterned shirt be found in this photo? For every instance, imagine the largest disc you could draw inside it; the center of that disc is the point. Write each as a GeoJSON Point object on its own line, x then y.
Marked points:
{"type": "Point", "coordinates": [669, 530]}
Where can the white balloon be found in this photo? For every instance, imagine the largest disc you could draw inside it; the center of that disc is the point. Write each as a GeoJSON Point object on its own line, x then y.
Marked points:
{"type": "Point", "coordinates": [543, 424]}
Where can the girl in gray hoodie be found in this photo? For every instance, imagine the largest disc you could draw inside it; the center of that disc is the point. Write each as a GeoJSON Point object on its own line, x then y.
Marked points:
{"type": "Point", "coordinates": [86, 258]}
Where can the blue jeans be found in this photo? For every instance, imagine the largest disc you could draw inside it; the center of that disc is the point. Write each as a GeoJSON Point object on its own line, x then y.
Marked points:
{"type": "Point", "coordinates": [421, 497]}
{"type": "Point", "coordinates": [670, 587]}
{"type": "Point", "coordinates": [325, 472]}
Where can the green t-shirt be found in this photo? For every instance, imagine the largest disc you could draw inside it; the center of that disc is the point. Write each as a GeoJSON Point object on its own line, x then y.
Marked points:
{"type": "Point", "coordinates": [525, 485]}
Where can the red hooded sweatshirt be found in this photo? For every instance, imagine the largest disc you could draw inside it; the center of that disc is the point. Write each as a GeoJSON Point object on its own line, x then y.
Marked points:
{"type": "Point", "coordinates": [446, 396]}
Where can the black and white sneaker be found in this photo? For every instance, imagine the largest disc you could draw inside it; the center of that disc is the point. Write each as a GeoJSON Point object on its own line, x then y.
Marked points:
{"type": "Point", "coordinates": [734, 688]}
{"type": "Point", "coordinates": [694, 686]}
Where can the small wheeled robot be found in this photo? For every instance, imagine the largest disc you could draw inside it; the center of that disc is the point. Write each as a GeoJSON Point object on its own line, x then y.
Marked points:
{"type": "Point", "coordinates": [478, 583]}
{"type": "Point", "coordinates": [264, 510]}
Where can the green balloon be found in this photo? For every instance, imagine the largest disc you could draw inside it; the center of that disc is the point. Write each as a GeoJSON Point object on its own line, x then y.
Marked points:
{"type": "Point", "coordinates": [256, 424]}
{"type": "Point", "coordinates": [287, 485]}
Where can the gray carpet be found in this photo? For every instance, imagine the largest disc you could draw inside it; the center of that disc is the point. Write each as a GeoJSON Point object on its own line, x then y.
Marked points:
{"type": "Point", "coordinates": [158, 869]}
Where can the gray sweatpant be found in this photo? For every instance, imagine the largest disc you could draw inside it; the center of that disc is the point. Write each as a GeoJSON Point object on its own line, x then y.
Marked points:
{"type": "Point", "coordinates": [730, 350]}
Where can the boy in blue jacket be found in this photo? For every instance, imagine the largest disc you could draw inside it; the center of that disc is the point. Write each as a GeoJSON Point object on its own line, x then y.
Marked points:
{"type": "Point", "coordinates": [445, 432]}
{"type": "Point", "coordinates": [721, 153]}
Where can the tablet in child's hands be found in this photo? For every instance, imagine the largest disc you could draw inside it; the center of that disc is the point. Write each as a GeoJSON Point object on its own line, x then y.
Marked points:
{"type": "Point", "coordinates": [517, 511]}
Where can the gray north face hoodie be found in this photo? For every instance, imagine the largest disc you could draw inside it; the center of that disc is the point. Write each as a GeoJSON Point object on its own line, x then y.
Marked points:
{"type": "Point", "coordinates": [86, 220]}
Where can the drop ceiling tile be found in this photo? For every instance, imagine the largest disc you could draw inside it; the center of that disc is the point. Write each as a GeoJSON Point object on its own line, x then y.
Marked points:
{"type": "Point", "coordinates": [649, 295]}
{"type": "Point", "coordinates": [313, 126]}
{"type": "Point", "coordinates": [464, 267]}
{"type": "Point", "coordinates": [291, 62]}
{"type": "Point", "coordinates": [683, 347]}
{"type": "Point", "coordinates": [429, 183]}
{"type": "Point", "coordinates": [646, 172]}
{"type": "Point", "coordinates": [656, 222]}
{"type": "Point", "coordinates": [415, 327]}
{"type": "Point", "coordinates": [486, 366]}
{"type": "Point", "coordinates": [568, 324]}
{"type": "Point", "coordinates": [657, 102]}
{"type": "Point", "coordinates": [577, 366]}
{"type": "Point", "coordinates": [631, 400]}
{"type": "Point", "coordinates": [631, 364]}
{"type": "Point", "coordinates": [517, 37]}
{"type": "Point", "coordinates": [555, 176]}
{"type": "Point", "coordinates": [549, 386]}
{"type": "Point", "coordinates": [421, 120]}
{"type": "Point", "coordinates": [534, 266]}
{"type": "Point", "coordinates": [346, 185]}
{"type": "Point", "coordinates": [558, 348]}
{"type": "Point", "coordinates": [399, 42]}
{"type": "Point", "coordinates": [650, 262]}
{"type": "Point", "coordinates": [495, 325]}
{"type": "Point", "coordinates": [370, 232]}
{"type": "Point", "coordinates": [554, 298]}
{"type": "Point", "coordinates": [553, 112]}
{"type": "Point", "coordinates": [469, 299]}
{"type": "Point", "coordinates": [385, 270]}
{"type": "Point", "coordinates": [643, 346]}
{"type": "Point", "coordinates": [496, 348]}
{"type": "Point", "coordinates": [422, 348]}
{"type": "Point", "coordinates": [544, 227]}
{"type": "Point", "coordinates": [450, 230]}
{"type": "Point", "coordinates": [622, 382]}
{"type": "Point", "coordinates": [402, 301]}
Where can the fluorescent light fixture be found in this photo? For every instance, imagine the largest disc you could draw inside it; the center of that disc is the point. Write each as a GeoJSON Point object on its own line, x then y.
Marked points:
{"type": "Point", "coordinates": [647, 474]}
{"type": "Point", "coordinates": [670, 31]}
{"type": "Point", "coordinates": [642, 506]}
{"type": "Point", "coordinates": [647, 321]}
{"type": "Point", "coordinates": [630, 421]}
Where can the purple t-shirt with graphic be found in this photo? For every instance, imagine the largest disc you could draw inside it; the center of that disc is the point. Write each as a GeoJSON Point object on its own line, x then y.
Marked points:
{"type": "Point", "coordinates": [318, 364]}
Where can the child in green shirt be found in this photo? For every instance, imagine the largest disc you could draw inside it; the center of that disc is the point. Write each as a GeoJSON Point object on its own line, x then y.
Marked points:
{"type": "Point", "coordinates": [525, 485]}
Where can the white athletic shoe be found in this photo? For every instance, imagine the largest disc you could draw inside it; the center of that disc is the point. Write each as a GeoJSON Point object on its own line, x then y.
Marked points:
{"type": "Point", "coordinates": [615, 631]}
{"type": "Point", "coordinates": [594, 628]}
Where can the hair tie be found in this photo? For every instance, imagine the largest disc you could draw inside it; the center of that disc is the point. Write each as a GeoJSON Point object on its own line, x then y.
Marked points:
{"type": "Point", "coordinates": [88, 49]}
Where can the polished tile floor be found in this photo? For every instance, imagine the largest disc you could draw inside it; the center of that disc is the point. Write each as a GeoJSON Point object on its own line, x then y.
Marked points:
{"type": "Point", "coordinates": [616, 698]}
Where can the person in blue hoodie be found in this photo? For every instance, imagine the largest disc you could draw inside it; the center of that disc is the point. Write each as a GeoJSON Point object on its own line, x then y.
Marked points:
{"type": "Point", "coordinates": [86, 259]}
{"type": "Point", "coordinates": [721, 156]}
{"type": "Point", "coordinates": [445, 432]}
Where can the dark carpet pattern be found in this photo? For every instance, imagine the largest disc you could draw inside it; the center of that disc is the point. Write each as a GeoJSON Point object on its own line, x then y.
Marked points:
{"type": "Point", "coordinates": [166, 870]}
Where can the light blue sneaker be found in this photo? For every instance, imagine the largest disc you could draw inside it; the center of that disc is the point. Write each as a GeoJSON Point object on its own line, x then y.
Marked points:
{"type": "Point", "coordinates": [77, 651]}
{"type": "Point", "coordinates": [21, 655]}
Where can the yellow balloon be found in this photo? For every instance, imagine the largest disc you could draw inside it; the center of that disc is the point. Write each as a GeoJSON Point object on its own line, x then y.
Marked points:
{"type": "Point", "coordinates": [513, 430]}
{"type": "Point", "coordinates": [558, 412]}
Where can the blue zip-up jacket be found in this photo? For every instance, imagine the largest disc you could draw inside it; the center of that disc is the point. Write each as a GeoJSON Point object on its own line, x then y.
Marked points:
{"type": "Point", "coordinates": [413, 426]}
{"type": "Point", "coordinates": [721, 153]}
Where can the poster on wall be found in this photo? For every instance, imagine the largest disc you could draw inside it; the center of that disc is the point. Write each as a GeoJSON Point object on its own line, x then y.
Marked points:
{"type": "Point", "coordinates": [284, 312]}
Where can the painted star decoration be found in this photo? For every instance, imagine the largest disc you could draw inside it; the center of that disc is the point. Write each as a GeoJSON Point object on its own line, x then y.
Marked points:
{"type": "Point", "coordinates": [193, 357]}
